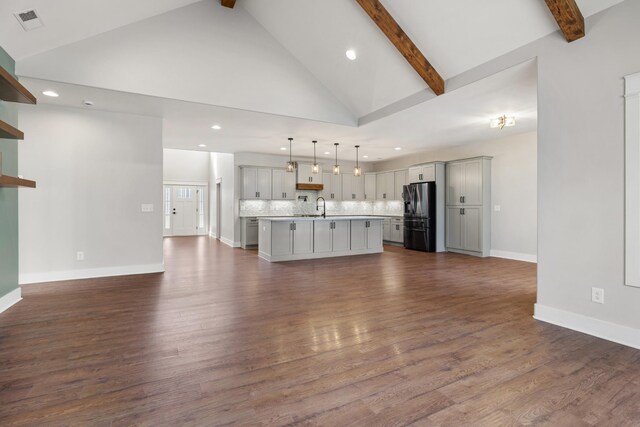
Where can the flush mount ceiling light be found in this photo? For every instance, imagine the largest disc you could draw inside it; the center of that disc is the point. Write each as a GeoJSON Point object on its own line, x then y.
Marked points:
{"type": "Point", "coordinates": [50, 93]}
{"type": "Point", "coordinates": [216, 127]}
{"type": "Point", "coordinates": [336, 167]}
{"type": "Point", "coordinates": [351, 54]}
{"type": "Point", "coordinates": [327, 153]}
{"type": "Point", "coordinates": [357, 171]}
{"type": "Point", "coordinates": [398, 148]}
{"type": "Point", "coordinates": [291, 166]}
{"type": "Point", "coordinates": [365, 157]}
{"type": "Point", "coordinates": [503, 121]}
{"type": "Point", "coordinates": [202, 145]}
{"type": "Point", "coordinates": [283, 148]}
{"type": "Point", "coordinates": [316, 166]}
{"type": "Point", "coordinates": [87, 103]}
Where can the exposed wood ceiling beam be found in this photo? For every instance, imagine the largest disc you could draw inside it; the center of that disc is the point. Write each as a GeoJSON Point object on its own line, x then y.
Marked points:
{"type": "Point", "coordinates": [228, 3]}
{"type": "Point", "coordinates": [403, 43]}
{"type": "Point", "coordinates": [569, 18]}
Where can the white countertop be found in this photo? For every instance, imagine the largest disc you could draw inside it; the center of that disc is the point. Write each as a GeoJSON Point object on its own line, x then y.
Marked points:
{"type": "Point", "coordinates": [319, 218]}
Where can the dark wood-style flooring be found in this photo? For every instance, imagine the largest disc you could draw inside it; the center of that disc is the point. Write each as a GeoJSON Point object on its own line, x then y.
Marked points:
{"type": "Point", "coordinates": [388, 339]}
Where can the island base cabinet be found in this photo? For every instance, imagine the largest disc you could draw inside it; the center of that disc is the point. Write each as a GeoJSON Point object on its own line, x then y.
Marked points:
{"type": "Point", "coordinates": [309, 239]}
{"type": "Point", "coordinates": [366, 234]}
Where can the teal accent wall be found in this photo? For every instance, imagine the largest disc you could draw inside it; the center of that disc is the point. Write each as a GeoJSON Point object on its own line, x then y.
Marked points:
{"type": "Point", "coordinates": [8, 196]}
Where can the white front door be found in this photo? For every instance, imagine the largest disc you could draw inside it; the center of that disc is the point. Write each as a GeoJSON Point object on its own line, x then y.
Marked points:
{"type": "Point", "coordinates": [184, 209]}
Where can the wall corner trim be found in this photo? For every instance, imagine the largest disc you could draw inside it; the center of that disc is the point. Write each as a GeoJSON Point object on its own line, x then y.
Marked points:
{"type": "Point", "coordinates": [10, 299]}
{"type": "Point", "coordinates": [588, 325]}
{"type": "Point", "coordinates": [92, 273]}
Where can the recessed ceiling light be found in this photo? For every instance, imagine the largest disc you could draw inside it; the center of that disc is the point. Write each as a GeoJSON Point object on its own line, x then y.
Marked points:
{"type": "Point", "coordinates": [87, 103]}
{"type": "Point", "coordinates": [216, 127]}
{"type": "Point", "coordinates": [365, 157]}
{"type": "Point", "coordinates": [50, 93]}
{"type": "Point", "coordinates": [202, 145]}
{"type": "Point", "coordinates": [327, 152]}
{"type": "Point", "coordinates": [398, 148]}
{"type": "Point", "coordinates": [351, 54]}
{"type": "Point", "coordinates": [283, 148]}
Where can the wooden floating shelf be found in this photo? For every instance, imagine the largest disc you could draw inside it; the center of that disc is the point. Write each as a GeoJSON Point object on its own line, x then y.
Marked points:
{"type": "Point", "coordinates": [12, 91]}
{"type": "Point", "coordinates": [312, 187]}
{"type": "Point", "coordinates": [13, 182]}
{"type": "Point", "coordinates": [9, 132]}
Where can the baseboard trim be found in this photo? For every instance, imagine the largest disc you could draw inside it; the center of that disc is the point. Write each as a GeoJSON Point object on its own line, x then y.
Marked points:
{"type": "Point", "coordinates": [230, 242]}
{"type": "Point", "coordinates": [10, 299]}
{"type": "Point", "coordinates": [588, 325]}
{"type": "Point", "coordinates": [515, 256]}
{"type": "Point", "coordinates": [57, 276]}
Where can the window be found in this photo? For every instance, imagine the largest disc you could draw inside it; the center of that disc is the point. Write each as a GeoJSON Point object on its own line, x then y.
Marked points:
{"type": "Point", "coordinates": [167, 208]}
{"type": "Point", "coordinates": [200, 192]}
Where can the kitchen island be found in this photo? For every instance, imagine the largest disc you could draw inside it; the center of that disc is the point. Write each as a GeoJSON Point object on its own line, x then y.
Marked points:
{"type": "Point", "coordinates": [297, 238]}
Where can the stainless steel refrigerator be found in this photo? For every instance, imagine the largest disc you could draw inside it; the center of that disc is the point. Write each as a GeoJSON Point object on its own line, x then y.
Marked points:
{"type": "Point", "coordinates": [420, 216]}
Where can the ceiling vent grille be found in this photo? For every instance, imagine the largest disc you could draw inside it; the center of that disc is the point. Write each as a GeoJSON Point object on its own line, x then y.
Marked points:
{"type": "Point", "coordinates": [29, 19]}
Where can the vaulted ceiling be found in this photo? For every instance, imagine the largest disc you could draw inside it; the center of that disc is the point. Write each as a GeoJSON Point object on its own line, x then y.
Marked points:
{"type": "Point", "coordinates": [277, 57]}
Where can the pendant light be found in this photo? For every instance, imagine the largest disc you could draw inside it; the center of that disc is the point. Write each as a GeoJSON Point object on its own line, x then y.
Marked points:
{"type": "Point", "coordinates": [357, 171]}
{"type": "Point", "coordinates": [290, 165]}
{"type": "Point", "coordinates": [336, 167]}
{"type": "Point", "coordinates": [316, 166]}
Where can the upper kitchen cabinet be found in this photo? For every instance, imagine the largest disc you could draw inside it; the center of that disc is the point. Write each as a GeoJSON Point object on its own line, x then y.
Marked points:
{"type": "Point", "coordinates": [422, 173]}
{"type": "Point", "coordinates": [385, 186]}
{"type": "Point", "coordinates": [369, 186]}
{"type": "Point", "coordinates": [284, 185]}
{"type": "Point", "coordinates": [468, 180]}
{"type": "Point", "coordinates": [352, 187]}
{"type": "Point", "coordinates": [306, 175]}
{"type": "Point", "coordinates": [332, 186]}
{"type": "Point", "coordinates": [400, 180]}
{"type": "Point", "coordinates": [256, 183]}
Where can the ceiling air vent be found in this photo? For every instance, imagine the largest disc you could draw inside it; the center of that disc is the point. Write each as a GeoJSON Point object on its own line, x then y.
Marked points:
{"type": "Point", "coordinates": [29, 19]}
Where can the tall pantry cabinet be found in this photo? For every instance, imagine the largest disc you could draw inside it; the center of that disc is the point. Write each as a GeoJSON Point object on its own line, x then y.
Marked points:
{"type": "Point", "coordinates": [469, 206]}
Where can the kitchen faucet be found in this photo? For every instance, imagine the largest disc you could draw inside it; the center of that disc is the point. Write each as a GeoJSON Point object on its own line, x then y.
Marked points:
{"type": "Point", "coordinates": [324, 206]}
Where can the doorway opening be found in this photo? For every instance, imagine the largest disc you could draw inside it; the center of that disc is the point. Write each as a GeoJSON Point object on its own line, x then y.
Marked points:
{"type": "Point", "coordinates": [185, 210]}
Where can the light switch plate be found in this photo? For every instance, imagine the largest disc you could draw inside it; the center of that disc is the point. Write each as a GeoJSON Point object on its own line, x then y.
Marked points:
{"type": "Point", "coordinates": [497, 208]}
{"type": "Point", "coordinates": [80, 256]}
{"type": "Point", "coordinates": [147, 208]}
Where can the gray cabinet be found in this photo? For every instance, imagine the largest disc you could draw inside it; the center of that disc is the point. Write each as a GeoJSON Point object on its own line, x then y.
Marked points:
{"type": "Point", "coordinates": [283, 185]}
{"type": "Point", "coordinates": [249, 232]}
{"type": "Point", "coordinates": [469, 206]}
{"type": "Point", "coordinates": [256, 183]}
{"type": "Point", "coordinates": [369, 186]}
{"type": "Point", "coordinates": [291, 237]}
{"type": "Point", "coordinates": [366, 234]}
{"type": "Point", "coordinates": [400, 180]}
{"type": "Point", "coordinates": [332, 189]}
{"type": "Point", "coordinates": [422, 173]}
{"type": "Point", "coordinates": [352, 187]}
{"type": "Point", "coordinates": [393, 230]}
{"type": "Point", "coordinates": [331, 236]}
{"type": "Point", "coordinates": [385, 186]}
{"type": "Point", "coordinates": [305, 175]}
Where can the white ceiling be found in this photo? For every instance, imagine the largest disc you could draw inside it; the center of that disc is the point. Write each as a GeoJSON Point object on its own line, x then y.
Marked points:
{"type": "Point", "coordinates": [458, 117]}
{"type": "Point", "coordinates": [68, 21]}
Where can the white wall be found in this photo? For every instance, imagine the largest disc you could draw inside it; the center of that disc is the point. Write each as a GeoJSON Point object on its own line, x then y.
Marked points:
{"type": "Point", "coordinates": [93, 170]}
{"type": "Point", "coordinates": [185, 165]}
{"type": "Point", "coordinates": [222, 168]}
{"type": "Point", "coordinates": [513, 187]}
{"type": "Point", "coordinates": [201, 53]}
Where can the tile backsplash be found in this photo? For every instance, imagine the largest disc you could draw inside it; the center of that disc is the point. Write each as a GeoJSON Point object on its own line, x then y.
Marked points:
{"type": "Point", "coordinates": [300, 207]}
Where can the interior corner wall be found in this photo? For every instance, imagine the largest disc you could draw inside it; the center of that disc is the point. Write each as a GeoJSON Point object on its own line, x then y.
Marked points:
{"type": "Point", "coordinates": [8, 197]}
{"type": "Point", "coordinates": [513, 188]}
{"type": "Point", "coordinates": [94, 170]}
{"type": "Point", "coordinates": [185, 165]}
{"type": "Point", "coordinates": [222, 168]}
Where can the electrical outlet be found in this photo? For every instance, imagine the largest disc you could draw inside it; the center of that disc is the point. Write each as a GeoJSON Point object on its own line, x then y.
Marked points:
{"type": "Point", "coordinates": [497, 208]}
{"type": "Point", "coordinates": [147, 208]}
{"type": "Point", "coordinates": [597, 295]}
{"type": "Point", "coordinates": [80, 256]}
